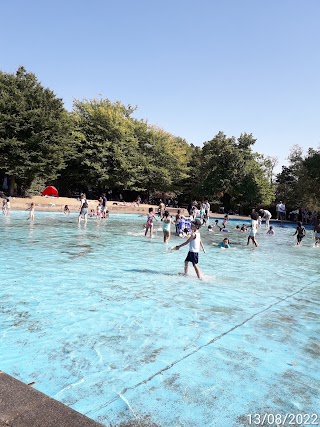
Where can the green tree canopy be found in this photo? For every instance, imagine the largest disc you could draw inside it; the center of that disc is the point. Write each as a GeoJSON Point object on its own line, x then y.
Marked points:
{"type": "Point", "coordinates": [34, 129]}
{"type": "Point", "coordinates": [231, 170]}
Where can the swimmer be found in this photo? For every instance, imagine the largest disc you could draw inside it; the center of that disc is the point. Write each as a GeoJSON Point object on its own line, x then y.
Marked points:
{"type": "Point", "coordinates": [271, 231]}
{"type": "Point", "coordinates": [224, 244]}
{"type": "Point", "coordinates": [66, 210]}
{"type": "Point", "coordinates": [243, 228]}
{"type": "Point", "coordinates": [185, 233]}
{"type": "Point", "coordinates": [300, 232]}
{"type": "Point", "coordinates": [210, 228]}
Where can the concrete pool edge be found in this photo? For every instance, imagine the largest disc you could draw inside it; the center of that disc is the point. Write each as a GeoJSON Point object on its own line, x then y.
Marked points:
{"type": "Point", "coordinates": [23, 406]}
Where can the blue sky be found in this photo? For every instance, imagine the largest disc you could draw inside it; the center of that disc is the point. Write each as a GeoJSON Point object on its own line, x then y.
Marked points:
{"type": "Point", "coordinates": [191, 67]}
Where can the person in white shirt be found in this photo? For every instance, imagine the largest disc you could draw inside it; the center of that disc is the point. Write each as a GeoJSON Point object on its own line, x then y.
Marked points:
{"type": "Point", "coordinates": [266, 215]}
{"type": "Point", "coordinates": [194, 246]}
{"type": "Point", "coordinates": [282, 210]}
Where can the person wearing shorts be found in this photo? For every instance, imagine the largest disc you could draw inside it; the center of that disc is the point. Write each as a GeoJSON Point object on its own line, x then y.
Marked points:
{"type": "Point", "coordinates": [83, 208]}
{"type": "Point", "coordinates": [300, 232]}
{"type": "Point", "coordinates": [267, 216]}
{"type": "Point", "coordinates": [194, 246]}
{"type": "Point", "coordinates": [252, 235]}
{"type": "Point", "coordinates": [149, 224]}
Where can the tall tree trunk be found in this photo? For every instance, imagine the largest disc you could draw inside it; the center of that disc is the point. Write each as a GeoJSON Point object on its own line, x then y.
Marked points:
{"type": "Point", "coordinates": [12, 185]}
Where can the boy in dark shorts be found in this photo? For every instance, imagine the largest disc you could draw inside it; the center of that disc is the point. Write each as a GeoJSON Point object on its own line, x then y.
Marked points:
{"type": "Point", "coordinates": [194, 245]}
{"type": "Point", "coordinates": [300, 232]}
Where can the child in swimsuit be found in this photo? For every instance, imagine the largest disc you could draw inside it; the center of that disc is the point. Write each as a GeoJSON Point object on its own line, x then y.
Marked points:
{"type": "Point", "coordinates": [149, 224]}
{"type": "Point", "coordinates": [271, 231]}
{"type": "Point", "coordinates": [252, 235]}
{"type": "Point", "coordinates": [225, 220]}
{"type": "Point", "coordinates": [300, 232]}
{"type": "Point", "coordinates": [31, 209]}
{"type": "Point", "coordinates": [224, 244]}
{"type": "Point", "coordinates": [166, 220]}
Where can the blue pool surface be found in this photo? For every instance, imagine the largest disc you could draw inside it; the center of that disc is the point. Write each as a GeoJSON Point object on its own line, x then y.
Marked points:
{"type": "Point", "coordinates": [100, 319]}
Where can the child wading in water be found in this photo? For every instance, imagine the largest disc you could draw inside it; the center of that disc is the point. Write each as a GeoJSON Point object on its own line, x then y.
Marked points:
{"type": "Point", "coordinates": [149, 224]}
{"type": "Point", "coordinates": [166, 226]}
{"type": "Point", "coordinates": [252, 235]}
{"type": "Point", "coordinates": [194, 246]}
{"type": "Point", "coordinates": [300, 232]}
{"type": "Point", "coordinates": [31, 209]}
{"type": "Point", "coordinates": [224, 244]}
{"type": "Point", "coordinates": [271, 231]}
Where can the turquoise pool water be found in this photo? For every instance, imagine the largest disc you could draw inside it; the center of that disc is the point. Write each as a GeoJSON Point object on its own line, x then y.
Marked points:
{"type": "Point", "coordinates": [100, 319]}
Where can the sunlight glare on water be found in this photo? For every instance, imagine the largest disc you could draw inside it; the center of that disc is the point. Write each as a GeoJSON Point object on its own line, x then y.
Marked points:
{"type": "Point", "coordinates": [100, 319]}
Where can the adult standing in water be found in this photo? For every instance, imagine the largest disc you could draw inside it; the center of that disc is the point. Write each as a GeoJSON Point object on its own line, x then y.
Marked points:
{"type": "Point", "coordinates": [162, 208]}
{"type": "Point", "coordinates": [83, 208]}
{"type": "Point", "coordinates": [265, 214]}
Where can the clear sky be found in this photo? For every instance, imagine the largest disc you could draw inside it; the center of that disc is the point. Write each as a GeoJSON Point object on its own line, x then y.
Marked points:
{"type": "Point", "coordinates": [191, 67]}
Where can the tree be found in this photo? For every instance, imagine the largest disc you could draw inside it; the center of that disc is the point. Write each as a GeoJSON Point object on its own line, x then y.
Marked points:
{"type": "Point", "coordinates": [106, 149]}
{"type": "Point", "coordinates": [231, 170]}
{"type": "Point", "coordinates": [34, 130]}
{"type": "Point", "coordinates": [299, 183]}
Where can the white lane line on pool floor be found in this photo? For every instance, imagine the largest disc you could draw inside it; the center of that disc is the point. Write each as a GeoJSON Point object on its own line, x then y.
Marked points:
{"type": "Point", "coordinates": [123, 391]}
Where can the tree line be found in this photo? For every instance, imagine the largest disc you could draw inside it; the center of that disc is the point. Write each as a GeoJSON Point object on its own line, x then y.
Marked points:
{"type": "Point", "coordinates": [99, 145]}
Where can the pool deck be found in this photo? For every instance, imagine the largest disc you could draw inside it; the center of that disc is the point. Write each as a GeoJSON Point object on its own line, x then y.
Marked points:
{"type": "Point", "coordinates": [22, 406]}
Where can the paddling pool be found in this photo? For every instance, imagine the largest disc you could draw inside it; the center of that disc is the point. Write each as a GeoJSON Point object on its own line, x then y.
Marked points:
{"type": "Point", "coordinates": [99, 318]}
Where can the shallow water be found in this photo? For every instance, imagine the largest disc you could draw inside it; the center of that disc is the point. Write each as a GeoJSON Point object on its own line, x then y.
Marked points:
{"type": "Point", "coordinates": [100, 319]}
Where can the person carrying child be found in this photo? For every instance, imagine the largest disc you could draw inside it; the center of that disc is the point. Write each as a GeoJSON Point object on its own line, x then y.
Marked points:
{"type": "Point", "coordinates": [194, 246]}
